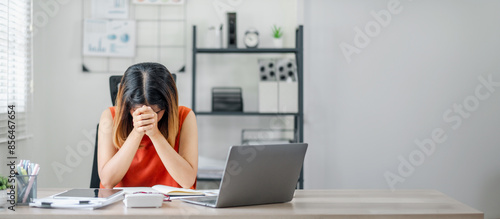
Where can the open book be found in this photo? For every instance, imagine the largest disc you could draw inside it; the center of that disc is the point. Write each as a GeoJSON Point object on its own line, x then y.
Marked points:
{"type": "Point", "coordinates": [167, 190]}
{"type": "Point", "coordinates": [173, 191]}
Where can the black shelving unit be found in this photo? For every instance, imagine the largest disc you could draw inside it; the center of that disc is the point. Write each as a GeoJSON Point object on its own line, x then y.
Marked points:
{"type": "Point", "coordinates": [298, 51]}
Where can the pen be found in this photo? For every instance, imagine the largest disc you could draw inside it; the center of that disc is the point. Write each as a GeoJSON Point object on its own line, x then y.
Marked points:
{"type": "Point", "coordinates": [22, 179]}
{"type": "Point", "coordinates": [26, 165]}
{"type": "Point", "coordinates": [32, 178]}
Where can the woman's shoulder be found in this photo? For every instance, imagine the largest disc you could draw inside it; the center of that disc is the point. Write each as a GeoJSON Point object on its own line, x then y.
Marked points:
{"type": "Point", "coordinates": [184, 109]}
{"type": "Point", "coordinates": [184, 112]}
{"type": "Point", "coordinates": [106, 117]}
{"type": "Point", "coordinates": [108, 112]}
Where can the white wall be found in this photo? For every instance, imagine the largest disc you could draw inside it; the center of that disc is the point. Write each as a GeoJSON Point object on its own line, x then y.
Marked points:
{"type": "Point", "coordinates": [67, 102]}
{"type": "Point", "coordinates": [360, 116]}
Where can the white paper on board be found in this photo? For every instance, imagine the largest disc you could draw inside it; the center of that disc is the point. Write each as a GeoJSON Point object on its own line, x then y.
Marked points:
{"type": "Point", "coordinates": [110, 9]}
{"type": "Point", "coordinates": [114, 38]}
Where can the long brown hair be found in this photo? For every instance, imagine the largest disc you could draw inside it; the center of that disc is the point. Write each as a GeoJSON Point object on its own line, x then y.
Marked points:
{"type": "Point", "coordinates": [146, 84]}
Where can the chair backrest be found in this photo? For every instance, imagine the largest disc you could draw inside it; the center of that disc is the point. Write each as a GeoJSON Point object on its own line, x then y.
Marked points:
{"type": "Point", "coordinates": [114, 83]}
{"type": "Point", "coordinates": [95, 181]}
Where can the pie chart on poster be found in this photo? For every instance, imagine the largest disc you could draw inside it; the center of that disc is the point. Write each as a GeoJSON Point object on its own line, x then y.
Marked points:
{"type": "Point", "coordinates": [112, 37]}
{"type": "Point", "coordinates": [124, 38]}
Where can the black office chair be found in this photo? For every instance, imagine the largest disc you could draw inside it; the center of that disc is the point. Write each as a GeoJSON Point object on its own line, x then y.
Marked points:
{"type": "Point", "coordinates": [114, 83]}
{"type": "Point", "coordinates": [95, 181]}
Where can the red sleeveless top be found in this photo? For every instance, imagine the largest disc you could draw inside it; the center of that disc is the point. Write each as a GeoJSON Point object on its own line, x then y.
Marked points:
{"type": "Point", "coordinates": [147, 169]}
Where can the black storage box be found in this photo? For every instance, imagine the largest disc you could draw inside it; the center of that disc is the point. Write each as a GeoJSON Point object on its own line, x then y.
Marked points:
{"type": "Point", "coordinates": [227, 99]}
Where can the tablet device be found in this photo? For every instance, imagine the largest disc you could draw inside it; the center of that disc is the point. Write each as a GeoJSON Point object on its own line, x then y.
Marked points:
{"type": "Point", "coordinates": [89, 194]}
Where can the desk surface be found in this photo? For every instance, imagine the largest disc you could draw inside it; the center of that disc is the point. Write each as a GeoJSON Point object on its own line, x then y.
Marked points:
{"type": "Point", "coordinates": [306, 204]}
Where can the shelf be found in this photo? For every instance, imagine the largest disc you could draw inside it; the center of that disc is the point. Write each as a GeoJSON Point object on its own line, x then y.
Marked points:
{"type": "Point", "coordinates": [244, 50]}
{"type": "Point", "coordinates": [298, 51]}
{"type": "Point", "coordinates": [244, 114]}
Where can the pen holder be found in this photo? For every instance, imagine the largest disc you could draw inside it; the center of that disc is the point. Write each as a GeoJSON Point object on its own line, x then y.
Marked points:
{"type": "Point", "coordinates": [25, 189]}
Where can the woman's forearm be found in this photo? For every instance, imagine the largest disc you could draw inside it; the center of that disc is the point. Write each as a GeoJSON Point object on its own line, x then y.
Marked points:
{"type": "Point", "coordinates": [178, 167]}
{"type": "Point", "coordinates": [114, 170]}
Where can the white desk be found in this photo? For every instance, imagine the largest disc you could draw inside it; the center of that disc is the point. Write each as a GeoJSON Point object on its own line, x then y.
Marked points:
{"type": "Point", "coordinates": [306, 204]}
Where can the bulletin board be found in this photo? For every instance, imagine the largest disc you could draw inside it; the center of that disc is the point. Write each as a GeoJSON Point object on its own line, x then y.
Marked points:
{"type": "Point", "coordinates": [160, 36]}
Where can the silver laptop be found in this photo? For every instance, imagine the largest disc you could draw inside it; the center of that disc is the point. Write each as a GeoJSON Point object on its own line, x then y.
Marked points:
{"type": "Point", "coordinates": [257, 174]}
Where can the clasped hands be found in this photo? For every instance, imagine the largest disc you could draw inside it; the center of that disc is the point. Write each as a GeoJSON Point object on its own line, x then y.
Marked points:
{"type": "Point", "coordinates": [145, 121]}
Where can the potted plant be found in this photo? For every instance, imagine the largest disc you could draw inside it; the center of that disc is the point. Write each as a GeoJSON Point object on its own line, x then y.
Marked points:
{"type": "Point", "coordinates": [4, 186]}
{"type": "Point", "coordinates": [277, 36]}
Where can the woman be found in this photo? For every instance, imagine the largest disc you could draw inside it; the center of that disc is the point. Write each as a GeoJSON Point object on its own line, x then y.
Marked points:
{"type": "Point", "coordinates": [147, 139]}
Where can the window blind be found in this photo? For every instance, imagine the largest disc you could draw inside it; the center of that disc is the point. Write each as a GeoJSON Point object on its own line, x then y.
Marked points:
{"type": "Point", "coordinates": [15, 65]}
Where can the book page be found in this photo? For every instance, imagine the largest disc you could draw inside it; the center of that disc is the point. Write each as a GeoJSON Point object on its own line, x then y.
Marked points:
{"type": "Point", "coordinates": [176, 191]}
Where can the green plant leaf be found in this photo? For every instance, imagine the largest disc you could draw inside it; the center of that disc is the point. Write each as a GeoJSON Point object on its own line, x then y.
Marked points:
{"type": "Point", "coordinates": [277, 32]}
